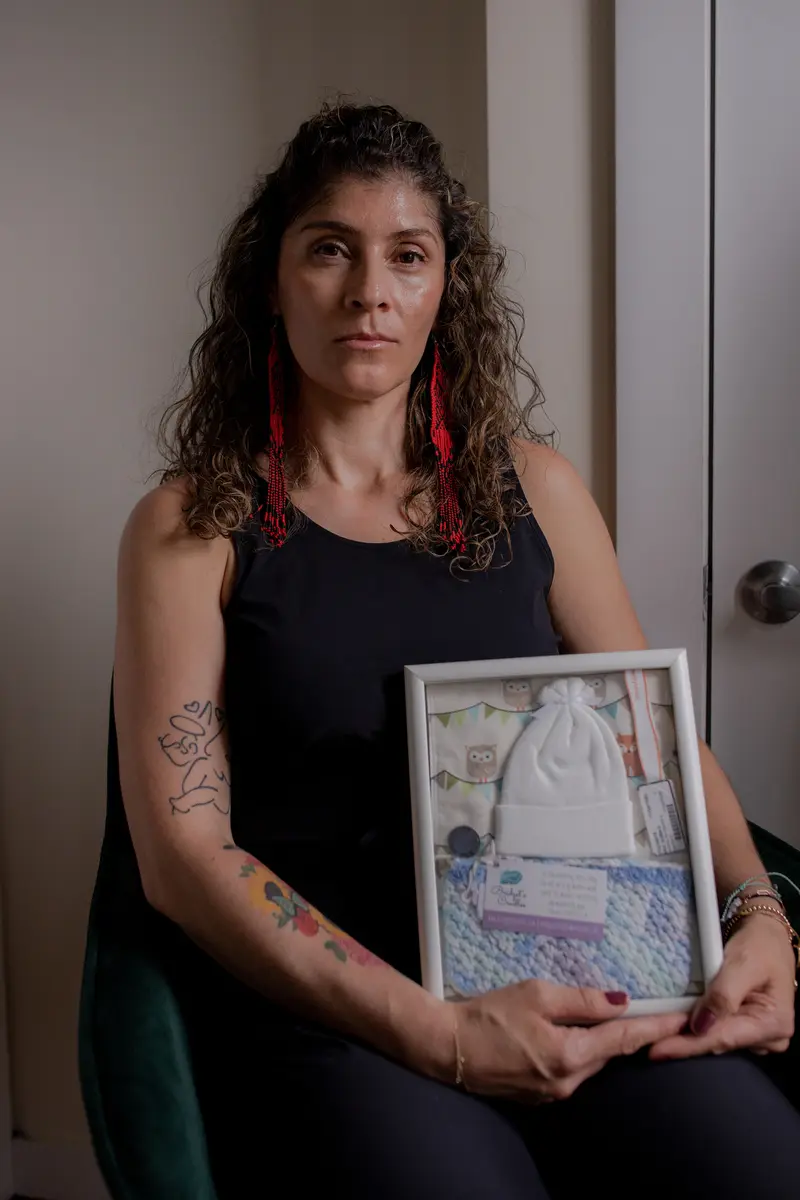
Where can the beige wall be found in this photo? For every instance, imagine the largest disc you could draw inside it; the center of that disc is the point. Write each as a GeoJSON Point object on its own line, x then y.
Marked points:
{"type": "Point", "coordinates": [410, 59]}
{"type": "Point", "coordinates": [130, 134]}
{"type": "Point", "coordinates": [551, 174]}
{"type": "Point", "coordinates": [134, 130]}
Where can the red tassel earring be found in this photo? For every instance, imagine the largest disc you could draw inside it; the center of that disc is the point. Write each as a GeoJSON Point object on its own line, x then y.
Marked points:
{"type": "Point", "coordinates": [450, 522]}
{"type": "Point", "coordinates": [274, 521]}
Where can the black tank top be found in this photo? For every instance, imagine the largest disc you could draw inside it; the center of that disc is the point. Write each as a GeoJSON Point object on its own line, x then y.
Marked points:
{"type": "Point", "coordinates": [318, 634]}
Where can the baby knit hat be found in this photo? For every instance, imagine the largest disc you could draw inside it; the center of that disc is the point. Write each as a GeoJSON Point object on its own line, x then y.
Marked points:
{"type": "Point", "coordinates": [564, 792]}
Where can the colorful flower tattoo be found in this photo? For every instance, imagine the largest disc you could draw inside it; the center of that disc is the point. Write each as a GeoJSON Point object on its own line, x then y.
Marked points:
{"type": "Point", "coordinates": [289, 909]}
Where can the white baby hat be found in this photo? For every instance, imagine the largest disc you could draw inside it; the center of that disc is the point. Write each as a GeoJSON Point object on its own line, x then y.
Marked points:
{"type": "Point", "coordinates": [564, 791]}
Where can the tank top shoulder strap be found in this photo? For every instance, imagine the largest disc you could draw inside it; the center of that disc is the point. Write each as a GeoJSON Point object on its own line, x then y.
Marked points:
{"type": "Point", "coordinates": [528, 526]}
{"type": "Point", "coordinates": [248, 541]}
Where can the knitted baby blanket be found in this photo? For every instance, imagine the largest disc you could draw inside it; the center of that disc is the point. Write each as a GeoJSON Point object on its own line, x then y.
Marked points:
{"type": "Point", "coordinates": [645, 950]}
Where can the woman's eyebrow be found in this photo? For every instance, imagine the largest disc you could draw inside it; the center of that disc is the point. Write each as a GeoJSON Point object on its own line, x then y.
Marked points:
{"type": "Point", "coordinates": [343, 227]}
{"type": "Point", "coordinates": [339, 226]}
{"type": "Point", "coordinates": [415, 232]}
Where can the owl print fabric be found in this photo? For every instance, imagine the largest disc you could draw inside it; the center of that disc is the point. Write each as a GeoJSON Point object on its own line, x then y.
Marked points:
{"type": "Point", "coordinates": [473, 728]}
{"type": "Point", "coordinates": [535, 785]}
{"type": "Point", "coordinates": [469, 747]}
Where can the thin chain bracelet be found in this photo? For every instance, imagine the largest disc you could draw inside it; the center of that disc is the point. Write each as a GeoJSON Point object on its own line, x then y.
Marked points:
{"type": "Point", "coordinates": [460, 1060]}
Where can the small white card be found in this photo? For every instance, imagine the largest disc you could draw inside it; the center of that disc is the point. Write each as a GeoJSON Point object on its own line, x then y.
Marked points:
{"type": "Point", "coordinates": [662, 818]}
{"type": "Point", "coordinates": [533, 897]}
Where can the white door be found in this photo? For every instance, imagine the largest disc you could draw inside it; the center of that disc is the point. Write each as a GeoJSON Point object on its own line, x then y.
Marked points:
{"type": "Point", "coordinates": [708, 366]}
{"type": "Point", "coordinates": [754, 665]}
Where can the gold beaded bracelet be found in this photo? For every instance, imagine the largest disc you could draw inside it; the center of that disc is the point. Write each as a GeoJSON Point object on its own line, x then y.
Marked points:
{"type": "Point", "coordinates": [748, 910]}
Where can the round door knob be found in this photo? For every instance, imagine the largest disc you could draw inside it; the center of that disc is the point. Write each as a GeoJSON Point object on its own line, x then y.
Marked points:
{"type": "Point", "coordinates": [770, 592]}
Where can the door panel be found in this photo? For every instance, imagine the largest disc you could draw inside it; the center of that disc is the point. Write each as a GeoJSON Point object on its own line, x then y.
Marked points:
{"type": "Point", "coordinates": [755, 668]}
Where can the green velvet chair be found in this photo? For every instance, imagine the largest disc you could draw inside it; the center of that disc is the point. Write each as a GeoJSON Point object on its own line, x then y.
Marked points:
{"type": "Point", "coordinates": [135, 1063]}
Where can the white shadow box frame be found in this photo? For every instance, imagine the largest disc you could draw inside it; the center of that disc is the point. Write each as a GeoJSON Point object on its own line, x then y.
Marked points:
{"type": "Point", "coordinates": [418, 681]}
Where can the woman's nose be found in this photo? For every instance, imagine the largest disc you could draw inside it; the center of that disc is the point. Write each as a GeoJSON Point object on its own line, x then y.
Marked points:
{"type": "Point", "coordinates": [368, 287]}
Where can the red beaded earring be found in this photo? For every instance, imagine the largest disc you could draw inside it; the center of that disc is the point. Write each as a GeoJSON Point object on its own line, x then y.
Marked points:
{"type": "Point", "coordinates": [450, 521]}
{"type": "Point", "coordinates": [274, 518]}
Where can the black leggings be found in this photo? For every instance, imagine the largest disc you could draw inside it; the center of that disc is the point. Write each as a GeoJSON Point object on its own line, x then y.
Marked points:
{"type": "Point", "coordinates": [323, 1116]}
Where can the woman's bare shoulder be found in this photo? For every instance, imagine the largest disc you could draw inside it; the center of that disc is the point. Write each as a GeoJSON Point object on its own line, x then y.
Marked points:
{"type": "Point", "coordinates": [160, 512]}
{"type": "Point", "coordinates": [157, 538]}
{"type": "Point", "coordinates": [547, 477]}
{"type": "Point", "coordinates": [561, 503]}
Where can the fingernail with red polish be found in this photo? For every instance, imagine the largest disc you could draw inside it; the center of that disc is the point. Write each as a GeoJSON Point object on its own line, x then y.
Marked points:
{"type": "Point", "coordinates": [703, 1021]}
{"type": "Point", "coordinates": [616, 997]}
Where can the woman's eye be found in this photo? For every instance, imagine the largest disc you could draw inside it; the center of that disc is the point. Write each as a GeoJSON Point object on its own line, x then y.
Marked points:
{"type": "Point", "coordinates": [328, 249]}
{"type": "Point", "coordinates": [409, 257]}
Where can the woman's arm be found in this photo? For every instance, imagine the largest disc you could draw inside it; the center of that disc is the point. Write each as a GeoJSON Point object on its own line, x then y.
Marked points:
{"type": "Point", "coordinates": [592, 611]}
{"type": "Point", "coordinates": [168, 688]}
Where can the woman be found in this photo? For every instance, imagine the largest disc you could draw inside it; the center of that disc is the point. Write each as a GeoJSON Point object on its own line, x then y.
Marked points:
{"type": "Point", "coordinates": [351, 487]}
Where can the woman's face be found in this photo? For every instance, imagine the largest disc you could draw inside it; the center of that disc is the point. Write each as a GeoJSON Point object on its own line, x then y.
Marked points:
{"type": "Point", "coordinates": [360, 279]}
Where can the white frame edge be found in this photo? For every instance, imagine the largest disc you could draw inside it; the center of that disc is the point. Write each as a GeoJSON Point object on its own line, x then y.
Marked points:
{"type": "Point", "coordinates": [706, 909]}
{"type": "Point", "coordinates": [663, 271]}
{"type": "Point", "coordinates": [422, 830]}
{"type": "Point", "coordinates": [417, 680]}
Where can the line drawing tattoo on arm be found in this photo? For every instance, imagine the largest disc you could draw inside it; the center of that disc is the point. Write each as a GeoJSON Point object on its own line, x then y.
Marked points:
{"type": "Point", "coordinates": [288, 909]}
{"type": "Point", "coordinates": [195, 744]}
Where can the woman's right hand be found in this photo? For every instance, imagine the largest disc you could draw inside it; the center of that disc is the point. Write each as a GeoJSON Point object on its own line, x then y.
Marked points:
{"type": "Point", "coordinates": [538, 1041]}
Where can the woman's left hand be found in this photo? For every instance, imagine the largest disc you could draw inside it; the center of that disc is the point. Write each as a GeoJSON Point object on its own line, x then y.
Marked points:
{"type": "Point", "coordinates": [750, 1004]}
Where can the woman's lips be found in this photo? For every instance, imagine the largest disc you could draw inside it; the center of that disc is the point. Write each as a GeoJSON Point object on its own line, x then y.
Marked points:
{"type": "Point", "coordinates": [365, 341]}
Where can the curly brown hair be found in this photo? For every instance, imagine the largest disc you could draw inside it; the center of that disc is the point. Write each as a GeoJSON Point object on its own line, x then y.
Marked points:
{"type": "Point", "coordinates": [212, 434]}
